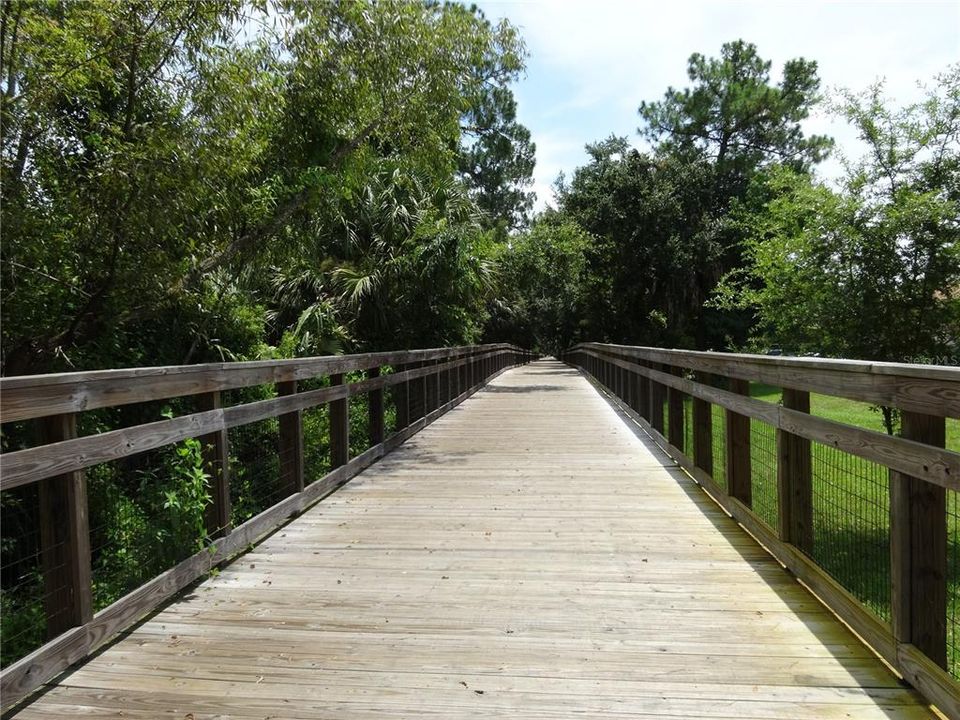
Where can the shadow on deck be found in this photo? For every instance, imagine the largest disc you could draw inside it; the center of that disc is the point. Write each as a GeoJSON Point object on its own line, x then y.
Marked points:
{"type": "Point", "coordinates": [530, 554]}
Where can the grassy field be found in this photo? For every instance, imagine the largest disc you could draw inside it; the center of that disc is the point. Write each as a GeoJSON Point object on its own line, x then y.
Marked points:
{"type": "Point", "coordinates": [850, 504]}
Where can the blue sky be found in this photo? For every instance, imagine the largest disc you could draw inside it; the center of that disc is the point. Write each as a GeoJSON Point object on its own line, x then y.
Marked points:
{"type": "Point", "coordinates": [591, 63]}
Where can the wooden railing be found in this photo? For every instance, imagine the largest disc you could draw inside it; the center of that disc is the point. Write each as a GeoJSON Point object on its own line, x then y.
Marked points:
{"type": "Point", "coordinates": [656, 387]}
{"type": "Point", "coordinates": [425, 383]}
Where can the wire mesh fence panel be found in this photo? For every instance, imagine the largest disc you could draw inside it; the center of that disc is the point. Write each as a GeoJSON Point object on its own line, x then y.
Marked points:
{"type": "Point", "coordinates": [953, 583]}
{"type": "Point", "coordinates": [316, 434]}
{"type": "Point", "coordinates": [763, 472]}
{"type": "Point", "coordinates": [665, 410]}
{"type": "Point", "coordinates": [389, 404]}
{"type": "Point", "coordinates": [23, 622]}
{"type": "Point", "coordinates": [851, 524]}
{"type": "Point", "coordinates": [254, 469]}
{"type": "Point", "coordinates": [147, 513]}
{"type": "Point", "coordinates": [719, 446]}
{"type": "Point", "coordinates": [359, 417]}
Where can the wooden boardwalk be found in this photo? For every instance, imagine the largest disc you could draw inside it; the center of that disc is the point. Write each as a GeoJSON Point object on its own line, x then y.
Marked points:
{"type": "Point", "coordinates": [528, 555]}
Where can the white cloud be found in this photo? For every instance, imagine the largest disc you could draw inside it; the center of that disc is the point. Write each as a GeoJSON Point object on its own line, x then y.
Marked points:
{"type": "Point", "coordinates": [592, 63]}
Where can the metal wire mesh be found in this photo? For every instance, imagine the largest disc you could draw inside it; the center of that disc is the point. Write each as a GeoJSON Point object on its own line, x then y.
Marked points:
{"type": "Point", "coordinates": [389, 404]}
{"type": "Point", "coordinates": [953, 583]}
{"type": "Point", "coordinates": [851, 524]}
{"type": "Point", "coordinates": [147, 513]}
{"type": "Point", "coordinates": [316, 434]}
{"type": "Point", "coordinates": [22, 620]}
{"type": "Point", "coordinates": [359, 417]}
{"type": "Point", "coordinates": [254, 468]}
{"type": "Point", "coordinates": [719, 445]}
{"type": "Point", "coordinates": [763, 472]}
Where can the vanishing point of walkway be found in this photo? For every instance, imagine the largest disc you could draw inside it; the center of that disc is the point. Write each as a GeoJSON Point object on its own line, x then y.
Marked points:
{"type": "Point", "coordinates": [530, 554]}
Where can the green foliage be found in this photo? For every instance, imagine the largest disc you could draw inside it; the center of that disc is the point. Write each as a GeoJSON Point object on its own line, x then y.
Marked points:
{"type": "Point", "coordinates": [871, 270]}
{"type": "Point", "coordinates": [146, 519]}
{"type": "Point", "coordinates": [542, 271]}
{"type": "Point", "coordinates": [498, 164]}
{"type": "Point", "coordinates": [735, 117]}
{"type": "Point", "coordinates": [161, 159]}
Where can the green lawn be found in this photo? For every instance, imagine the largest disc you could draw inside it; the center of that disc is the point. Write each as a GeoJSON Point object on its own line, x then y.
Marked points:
{"type": "Point", "coordinates": [850, 504]}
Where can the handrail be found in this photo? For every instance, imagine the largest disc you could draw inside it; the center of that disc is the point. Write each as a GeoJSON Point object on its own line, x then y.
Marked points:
{"type": "Point", "coordinates": [646, 381]}
{"type": "Point", "coordinates": [428, 383]}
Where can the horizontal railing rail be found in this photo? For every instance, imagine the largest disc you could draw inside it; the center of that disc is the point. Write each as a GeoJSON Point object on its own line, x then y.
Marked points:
{"type": "Point", "coordinates": [869, 521]}
{"type": "Point", "coordinates": [424, 384]}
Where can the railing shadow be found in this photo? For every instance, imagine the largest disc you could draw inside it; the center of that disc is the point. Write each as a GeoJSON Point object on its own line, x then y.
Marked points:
{"type": "Point", "coordinates": [521, 389]}
{"type": "Point", "coordinates": [730, 529]}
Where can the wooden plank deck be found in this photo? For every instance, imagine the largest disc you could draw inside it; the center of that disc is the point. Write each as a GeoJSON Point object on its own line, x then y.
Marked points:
{"type": "Point", "coordinates": [527, 555]}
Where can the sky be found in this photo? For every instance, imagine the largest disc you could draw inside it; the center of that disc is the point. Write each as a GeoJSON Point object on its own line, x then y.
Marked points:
{"type": "Point", "coordinates": [592, 62]}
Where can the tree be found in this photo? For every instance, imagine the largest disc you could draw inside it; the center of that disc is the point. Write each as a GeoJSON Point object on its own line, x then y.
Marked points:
{"type": "Point", "coordinates": [870, 271]}
{"type": "Point", "coordinates": [652, 261]}
{"type": "Point", "coordinates": [735, 118]}
{"type": "Point", "coordinates": [498, 164]}
{"type": "Point", "coordinates": [157, 162]}
{"type": "Point", "coordinates": [115, 169]}
{"type": "Point", "coordinates": [542, 275]}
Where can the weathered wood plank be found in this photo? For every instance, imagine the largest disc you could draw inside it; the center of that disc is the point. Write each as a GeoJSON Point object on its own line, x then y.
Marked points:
{"type": "Point", "coordinates": [928, 389]}
{"type": "Point", "coordinates": [339, 427]}
{"type": "Point", "coordinates": [918, 550]}
{"type": "Point", "coordinates": [31, 396]}
{"type": "Point", "coordinates": [22, 677]}
{"type": "Point", "coordinates": [795, 479]}
{"type": "Point", "coordinates": [931, 464]}
{"type": "Point", "coordinates": [216, 462]}
{"type": "Point", "coordinates": [529, 546]}
{"type": "Point", "coordinates": [64, 539]}
{"type": "Point", "coordinates": [375, 410]}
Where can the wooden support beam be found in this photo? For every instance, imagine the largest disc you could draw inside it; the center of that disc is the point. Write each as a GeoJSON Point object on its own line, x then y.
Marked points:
{"type": "Point", "coordinates": [291, 444]}
{"type": "Point", "coordinates": [676, 428]}
{"type": "Point", "coordinates": [375, 410]}
{"type": "Point", "coordinates": [430, 389]}
{"type": "Point", "coordinates": [738, 448]}
{"type": "Point", "coordinates": [656, 395]}
{"type": "Point", "coordinates": [918, 549]}
{"type": "Point", "coordinates": [643, 395]}
{"type": "Point", "coordinates": [339, 428]}
{"type": "Point", "coordinates": [401, 399]}
{"type": "Point", "coordinates": [633, 390]}
{"type": "Point", "coordinates": [64, 538]}
{"type": "Point", "coordinates": [703, 430]}
{"type": "Point", "coordinates": [216, 463]}
{"type": "Point", "coordinates": [795, 479]}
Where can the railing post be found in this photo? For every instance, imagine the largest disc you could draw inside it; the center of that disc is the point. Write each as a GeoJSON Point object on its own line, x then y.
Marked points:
{"type": "Point", "coordinates": [401, 398]}
{"type": "Point", "coordinates": [339, 427]}
{"type": "Point", "coordinates": [643, 393]}
{"type": "Point", "coordinates": [430, 389]}
{"type": "Point", "coordinates": [64, 538]}
{"type": "Point", "coordinates": [451, 380]}
{"type": "Point", "coordinates": [291, 444]}
{"type": "Point", "coordinates": [216, 463]}
{"type": "Point", "coordinates": [794, 478]}
{"type": "Point", "coordinates": [633, 386]}
{"type": "Point", "coordinates": [738, 448]}
{"type": "Point", "coordinates": [675, 406]}
{"type": "Point", "coordinates": [375, 409]}
{"type": "Point", "coordinates": [418, 394]}
{"type": "Point", "coordinates": [703, 430]}
{"type": "Point", "coordinates": [655, 394]}
{"type": "Point", "coordinates": [918, 549]}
